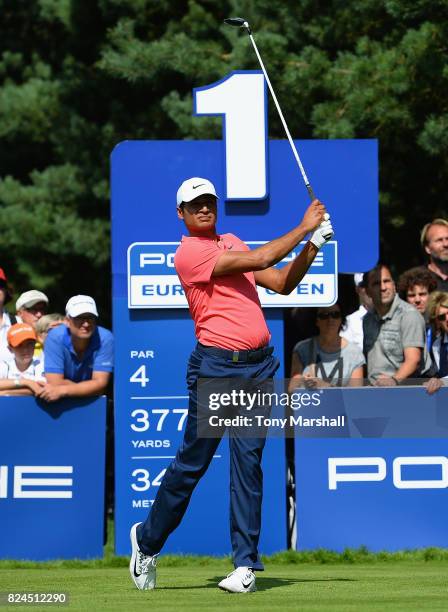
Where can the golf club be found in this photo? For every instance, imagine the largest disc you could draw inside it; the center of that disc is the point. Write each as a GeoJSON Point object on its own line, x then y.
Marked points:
{"type": "Point", "coordinates": [242, 23]}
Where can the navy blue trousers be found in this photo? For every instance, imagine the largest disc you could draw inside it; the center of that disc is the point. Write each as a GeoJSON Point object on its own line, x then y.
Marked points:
{"type": "Point", "coordinates": [194, 457]}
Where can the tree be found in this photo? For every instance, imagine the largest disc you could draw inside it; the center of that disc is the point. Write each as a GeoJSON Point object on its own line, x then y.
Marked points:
{"type": "Point", "coordinates": [78, 77]}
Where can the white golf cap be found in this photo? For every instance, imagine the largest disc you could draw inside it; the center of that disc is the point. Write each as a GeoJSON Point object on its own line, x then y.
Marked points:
{"type": "Point", "coordinates": [80, 304]}
{"type": "Point", "coordinates": [30, 298]}
{"type": "Point", "coordinates": [357, 278]}
{"type": "Point", "coordinates": [193, 188]}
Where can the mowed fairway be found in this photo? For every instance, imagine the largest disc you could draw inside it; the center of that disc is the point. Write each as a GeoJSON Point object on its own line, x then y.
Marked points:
{"type": "Point", "coordinates": [409, 585]}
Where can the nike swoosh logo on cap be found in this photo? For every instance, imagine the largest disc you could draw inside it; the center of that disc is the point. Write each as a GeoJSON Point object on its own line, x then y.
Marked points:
{"type": "Point", "coordinates": [200, 185]}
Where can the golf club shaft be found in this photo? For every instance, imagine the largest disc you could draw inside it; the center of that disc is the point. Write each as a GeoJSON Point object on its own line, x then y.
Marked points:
{"type": "Point", "coordinates": [291, 142]}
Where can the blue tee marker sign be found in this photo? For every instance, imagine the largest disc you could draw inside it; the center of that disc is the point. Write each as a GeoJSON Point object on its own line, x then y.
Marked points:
{"type": "Point", "coordinates": [262, 197]}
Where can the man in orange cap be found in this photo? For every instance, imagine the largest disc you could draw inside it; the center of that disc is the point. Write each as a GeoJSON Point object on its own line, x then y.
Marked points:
{"type": "Point", "coordinates": [22, 375]}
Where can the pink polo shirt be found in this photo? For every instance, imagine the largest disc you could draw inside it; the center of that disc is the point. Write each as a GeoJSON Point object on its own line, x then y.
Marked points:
{"type": "Point", "coordinates": [226, 310]}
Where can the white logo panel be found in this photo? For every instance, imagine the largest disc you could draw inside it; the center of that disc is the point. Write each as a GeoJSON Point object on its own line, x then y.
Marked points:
{"type": "Point", "coordinates": [153, 282]}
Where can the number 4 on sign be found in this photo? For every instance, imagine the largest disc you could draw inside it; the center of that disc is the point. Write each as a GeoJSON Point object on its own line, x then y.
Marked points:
{"type": "Point", "coordinates": [140, 377]}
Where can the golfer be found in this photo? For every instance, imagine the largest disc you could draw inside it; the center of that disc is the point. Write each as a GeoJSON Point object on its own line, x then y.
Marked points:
{"type": "Point", "coordinates": [219, 274]}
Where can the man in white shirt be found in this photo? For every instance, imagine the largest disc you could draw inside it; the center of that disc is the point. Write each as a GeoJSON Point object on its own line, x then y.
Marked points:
{"type": "Point", "coordinates": [352, 330]}
{"type": "Point", "coordinates": [22, 375]}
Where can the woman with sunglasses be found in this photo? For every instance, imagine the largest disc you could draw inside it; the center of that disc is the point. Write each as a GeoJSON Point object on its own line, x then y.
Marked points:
{"type": "Point", "coordinates": [327, 359]}
{"type": "Point", "coordinates": [438, 319]}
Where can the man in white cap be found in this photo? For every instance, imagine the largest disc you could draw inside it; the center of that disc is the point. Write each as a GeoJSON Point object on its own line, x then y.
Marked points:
{"type": "Point", "coordinates": [30, 307]}
{"type": "Point", "coordinates": [78, 355]}
{"type": "Point", "coordinates": [219, 274]}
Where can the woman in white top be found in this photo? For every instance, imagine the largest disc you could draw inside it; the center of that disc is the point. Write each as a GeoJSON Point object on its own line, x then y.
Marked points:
{"type": "Point", "coordinates": [327, 359]}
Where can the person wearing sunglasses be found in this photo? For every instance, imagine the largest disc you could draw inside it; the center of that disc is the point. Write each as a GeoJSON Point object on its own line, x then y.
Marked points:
{"type": "Point", "coordinates": [438, 318]}
{"type": "Point", "coordinates": [78, 354]}
{"type": "Point", "coordinates": [30, 307]}
{"type": "Point", "coordinates": [327, 359]}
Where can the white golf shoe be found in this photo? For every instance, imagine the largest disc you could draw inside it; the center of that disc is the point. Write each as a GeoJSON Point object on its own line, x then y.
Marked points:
{"type": "Point", "coordinates": [142, 567]}
{"type": "Point", "coordinates": [241, 580]}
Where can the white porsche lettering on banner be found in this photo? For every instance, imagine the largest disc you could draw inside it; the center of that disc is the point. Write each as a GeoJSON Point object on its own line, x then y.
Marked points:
{"type": "Point", "coordinates": [153, 282]}
{"type": "Point", "coordinates": [376, 470]}
{"type": "Point", "coordinates": [32, 487]}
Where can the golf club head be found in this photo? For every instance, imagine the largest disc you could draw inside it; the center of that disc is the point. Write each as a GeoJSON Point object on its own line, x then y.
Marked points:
{"type": "Point", "coordinates": [237, 22]}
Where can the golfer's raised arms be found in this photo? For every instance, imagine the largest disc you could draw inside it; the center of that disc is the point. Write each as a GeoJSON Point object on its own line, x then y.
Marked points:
{"type": "Point", "coordinates": [285, 279]}
{"type": "Point", "coordinates": [266, 256]}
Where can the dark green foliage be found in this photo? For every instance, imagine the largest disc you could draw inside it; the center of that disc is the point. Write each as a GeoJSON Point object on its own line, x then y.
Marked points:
{"type": "Point", "coordinates": [78, 77]}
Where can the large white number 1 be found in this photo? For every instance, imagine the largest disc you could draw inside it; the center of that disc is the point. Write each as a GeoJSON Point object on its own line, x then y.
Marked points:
{"type": "Point", "coordinates": [241, 98]}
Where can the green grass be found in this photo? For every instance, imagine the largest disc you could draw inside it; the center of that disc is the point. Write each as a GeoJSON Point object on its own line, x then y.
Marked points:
{"type": "Point", "coordinates": [350, 556]}
{"type": "Point", "coordinates": [403, 585]}
{"type": "Point", "coordinates": [320, 580]}
{"type": "Point", "coordinates": [289, 557]}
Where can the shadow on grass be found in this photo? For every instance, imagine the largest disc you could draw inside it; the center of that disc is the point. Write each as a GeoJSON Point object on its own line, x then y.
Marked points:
{"type": "Point", "coordinates": [263, 584]}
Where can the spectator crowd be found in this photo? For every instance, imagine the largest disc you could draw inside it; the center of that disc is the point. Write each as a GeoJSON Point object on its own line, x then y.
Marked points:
{"type": "Point", "coordinates": [52, 356]}
{"type": "Point", "coordinates": [397, 336]}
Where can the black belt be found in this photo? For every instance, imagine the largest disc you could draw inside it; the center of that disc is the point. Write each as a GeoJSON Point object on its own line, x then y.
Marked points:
{"type": "Point", "coordinates": [251, 356]}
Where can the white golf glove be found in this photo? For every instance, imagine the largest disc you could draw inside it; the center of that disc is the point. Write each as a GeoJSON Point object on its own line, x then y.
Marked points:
{"type": "Point", "coordinates": [324, 232]}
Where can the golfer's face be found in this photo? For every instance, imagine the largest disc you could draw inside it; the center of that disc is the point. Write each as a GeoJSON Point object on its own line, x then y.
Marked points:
{"type": "Point", "coordinates": [200, 214]}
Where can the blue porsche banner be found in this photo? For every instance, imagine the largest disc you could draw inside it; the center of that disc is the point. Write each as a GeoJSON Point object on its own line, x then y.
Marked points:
{"type": "Point", "coordinates": [380, 479]}
{"type": "Point", "coordinates": [52, 464]}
